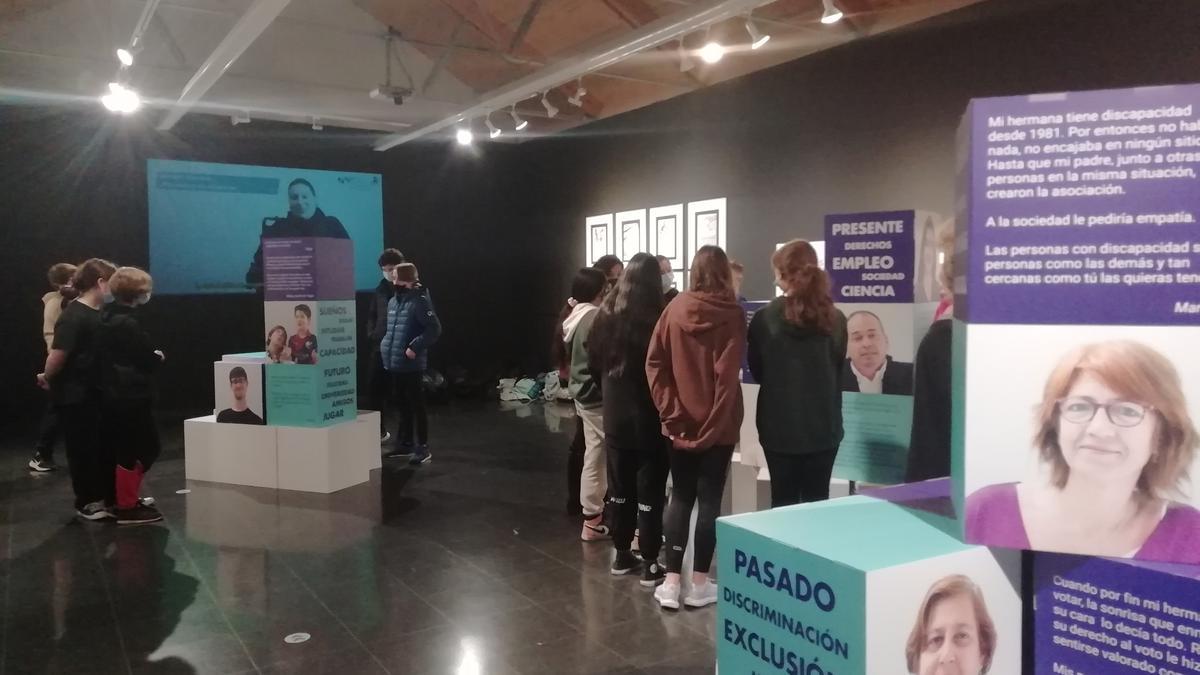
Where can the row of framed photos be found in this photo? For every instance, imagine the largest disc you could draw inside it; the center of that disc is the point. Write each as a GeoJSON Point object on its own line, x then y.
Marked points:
{"type": "Point", "coordinates": [660, 230]}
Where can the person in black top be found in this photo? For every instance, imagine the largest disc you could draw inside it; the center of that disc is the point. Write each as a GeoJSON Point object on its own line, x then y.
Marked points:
{"type": "Point", "coordinates": [240, 413]}
{"type": "Point", "coordinates": [128, 364]}
{"type": "Point", "coordinates": [71, 376]}
{"type": "Point", "coordinates": [796, 347]}
{"type": "Point", "coordinates": [638, 462]}
{"type": "Point", "coordinates": [378, 381]}
{"type": "Point", "coordinates": [929, 444]}
{"type": "Point", "coordinates": [304, 219]}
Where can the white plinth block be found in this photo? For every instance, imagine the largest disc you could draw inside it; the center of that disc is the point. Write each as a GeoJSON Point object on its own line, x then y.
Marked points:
{"type": "Point", "coordinates": [241, 454]}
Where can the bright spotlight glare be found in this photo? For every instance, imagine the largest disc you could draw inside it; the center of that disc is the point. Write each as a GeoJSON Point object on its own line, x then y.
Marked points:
{"type": "Point", "coordinates": [121, 99]}
{"type": "Point", "coordinates": [464, 136]}
{"type": "Point", "coordinates": [125, 57]}
{"type": "Point", "coordinates": [712, 52]}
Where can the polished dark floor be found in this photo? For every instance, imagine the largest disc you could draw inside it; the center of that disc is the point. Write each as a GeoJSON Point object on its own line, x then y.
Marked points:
{"type": "Point", "coordinates": [466, 566]}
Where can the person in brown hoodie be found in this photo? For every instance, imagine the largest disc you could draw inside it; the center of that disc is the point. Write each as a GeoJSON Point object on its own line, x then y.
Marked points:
{"type": "Point", "coordinates": [694, 367]}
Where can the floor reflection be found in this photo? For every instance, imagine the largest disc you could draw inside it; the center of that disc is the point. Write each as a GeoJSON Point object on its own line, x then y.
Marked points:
{"type": "Point", "coordinates": [464, 566]}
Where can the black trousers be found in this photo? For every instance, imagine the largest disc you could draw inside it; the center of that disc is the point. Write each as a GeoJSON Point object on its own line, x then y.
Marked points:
{"type": "Point", "coordinates": [696, 475]}
{"type": "Point", "coordinates": [48, 432]}
{"type": "Point", "coordinates": [131, 434]}
{"type": "Point", "coordinates": [409, 392]}
{"type": "Point", "coordinates": [799, 478]}
{"type": "Point", "coordinates": [575, 469]}
{"type": "Point", "coordinates": [379, 387]}
{"type": "Point", "coordinates": [637, 486]}
{"type": "Point", "coordinates": [89, 460]}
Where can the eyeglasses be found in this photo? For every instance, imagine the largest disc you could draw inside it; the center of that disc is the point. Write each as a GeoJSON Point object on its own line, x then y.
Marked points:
{"type": "Point", "coordinates": [1080, 410]}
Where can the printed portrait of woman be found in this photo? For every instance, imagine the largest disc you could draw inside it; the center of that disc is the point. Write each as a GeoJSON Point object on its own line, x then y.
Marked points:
{"type": "Point", "coordinates": [953, 633]}
{"type": "Point", "coordinates": [1116, 441]}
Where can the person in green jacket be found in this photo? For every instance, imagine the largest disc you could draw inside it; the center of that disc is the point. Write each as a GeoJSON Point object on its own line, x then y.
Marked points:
{"type": "Point", "coordinates": [587, 291]}
{"type": "Point", "coordinates": [796, 348]}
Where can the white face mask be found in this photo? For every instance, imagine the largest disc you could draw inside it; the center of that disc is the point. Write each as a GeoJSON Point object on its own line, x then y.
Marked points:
{"type": "Point", "coordinates": [143, 298]}
{"type": "Point", "coordinates": [668, 280]}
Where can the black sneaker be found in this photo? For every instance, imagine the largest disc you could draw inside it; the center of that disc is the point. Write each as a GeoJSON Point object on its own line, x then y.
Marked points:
{"type": "Point", "coordinates": [41, 464]}
{"type": "Point", "coordinates": [95, 511]}
{"type": "Point", "coordinates": [420, 456]}
{"type": "Point", "coordinates": [652, 575]}
{"type": "Point", "coordinates": [385, 437]}
{"type": "Point", "coordinates": [624, 563]}
{"type": "Point", "coordinates": [138, 515]}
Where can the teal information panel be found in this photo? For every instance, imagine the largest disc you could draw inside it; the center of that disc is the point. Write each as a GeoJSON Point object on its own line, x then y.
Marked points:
{"type": "Point", "coordinates": [875, 447]}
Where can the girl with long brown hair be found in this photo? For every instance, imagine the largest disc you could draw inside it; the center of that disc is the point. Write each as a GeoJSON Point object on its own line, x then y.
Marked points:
{"type": "Point", "coordinates": [694, 366]}
{"type": "Point", "coordinates": [797, 345]}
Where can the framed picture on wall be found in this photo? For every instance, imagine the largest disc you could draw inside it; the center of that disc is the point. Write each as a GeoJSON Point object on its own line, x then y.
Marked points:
{"type": "Point", "coordinates": [631, 228]}
{"type": "Point", "coordinates": [598, 230]}
{"type": "Point", "coordinates": [708, 229]}
{"type": "Point", "coordinates": [707, 226]}
{"type": "Point", "coordinates": [665, 229]}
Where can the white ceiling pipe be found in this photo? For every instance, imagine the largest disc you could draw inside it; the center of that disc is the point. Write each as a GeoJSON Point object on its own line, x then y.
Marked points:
{"type": "Point", "coordinates": [652, 34]}
{"type": "Point", "coordinates": [243, 34]}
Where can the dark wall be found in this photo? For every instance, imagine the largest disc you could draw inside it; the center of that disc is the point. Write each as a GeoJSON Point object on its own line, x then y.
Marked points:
{"type": "Point", "coordinates": [866, 126]}
{"type": "Point", "coordinates": [75, 186]}
{"type": "Point", "coordinates": [498, 231]}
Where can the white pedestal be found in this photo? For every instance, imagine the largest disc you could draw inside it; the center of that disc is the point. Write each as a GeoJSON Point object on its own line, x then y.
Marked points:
{"type": "Point", "coordinates": [322, 460]}
{"type": "Point", "coordinates": [229, 453]}
{"type": "Point", "coordinates": [748, 448]}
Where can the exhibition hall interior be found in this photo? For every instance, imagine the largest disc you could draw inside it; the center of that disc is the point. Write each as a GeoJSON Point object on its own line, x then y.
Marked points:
{"type": "Point", "coordinates": [659, 337]}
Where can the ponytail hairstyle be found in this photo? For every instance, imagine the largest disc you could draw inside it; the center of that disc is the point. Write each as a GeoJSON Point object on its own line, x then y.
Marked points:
{"type": "Point", "coordinates": [588, 285]}
{"type": "Point", "coordinates": [807, 301]}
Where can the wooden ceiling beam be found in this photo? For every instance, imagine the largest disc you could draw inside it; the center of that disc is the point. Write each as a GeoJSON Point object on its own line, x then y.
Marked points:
{"type": "Point", "coordinates": [502, 37]}
{"type": "Point", "coordinates": [633, 12]}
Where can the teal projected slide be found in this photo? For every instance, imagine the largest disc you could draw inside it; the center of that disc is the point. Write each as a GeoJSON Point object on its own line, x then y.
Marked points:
{"type": "Point", "coordinates": [206, 221]}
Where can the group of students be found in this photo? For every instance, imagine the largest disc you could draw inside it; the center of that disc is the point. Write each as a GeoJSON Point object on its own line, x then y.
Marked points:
{"type": "Point", "coordinates": [402, 325]}
{"type": "Point", "coordinates": [100, 370]}
{"type": "Point", "coordinates": [656, 378]}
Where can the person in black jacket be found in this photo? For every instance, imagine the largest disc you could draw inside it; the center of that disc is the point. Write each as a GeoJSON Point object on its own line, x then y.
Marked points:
{"type": "Point", "coordinates": [638, 462]}
{"type": "Point", "coordinates": [71, 376]}
{"type": "Point", "coordinates": [796, 347]}
{"type": "Point", "coordinates": [304, 219]}
{"type": "Point", "coordinates": [868, 368]}
{"type": "Point", "coordinates": [929, 444]}
{"type": "Point", "coordinates": [379, 383]}
{"type": "Point", "coordinates": [129, 361]}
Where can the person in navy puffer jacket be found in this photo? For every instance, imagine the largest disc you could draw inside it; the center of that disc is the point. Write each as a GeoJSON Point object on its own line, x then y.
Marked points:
{"type": "Point", "coordinates": [412, 328]}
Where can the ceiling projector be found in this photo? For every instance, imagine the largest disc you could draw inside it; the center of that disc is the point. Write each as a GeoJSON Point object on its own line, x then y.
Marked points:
{"type": "Point", "coordinates": [387, 92]}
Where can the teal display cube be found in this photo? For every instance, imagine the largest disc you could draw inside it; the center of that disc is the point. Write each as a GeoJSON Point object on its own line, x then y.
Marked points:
{"type": "Point", "coordinates": [861, 585]}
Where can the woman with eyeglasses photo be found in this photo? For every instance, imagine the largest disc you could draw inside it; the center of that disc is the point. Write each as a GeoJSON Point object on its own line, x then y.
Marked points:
{"type": "Point", "coordinates": [1114, 433]}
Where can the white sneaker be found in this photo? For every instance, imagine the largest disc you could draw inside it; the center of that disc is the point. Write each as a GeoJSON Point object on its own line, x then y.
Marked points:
{"type": "Point", "coordinates": [701, 596]}
{"type": "Point", "coordinates": [667, 596]}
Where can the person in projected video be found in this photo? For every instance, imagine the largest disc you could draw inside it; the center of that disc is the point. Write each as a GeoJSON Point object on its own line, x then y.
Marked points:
{"type": "Point", "coordinates": [1116, 440]}
{"type": "Point", "coordinates": [868, 368]}
{"type": "Point", "coordinates": [304, 219]}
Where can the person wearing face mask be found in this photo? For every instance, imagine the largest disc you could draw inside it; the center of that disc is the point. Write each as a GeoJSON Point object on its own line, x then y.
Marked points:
{"type": "Point", "coordinates": [129, 361]}
{"type": "Point", "coordinates": [71, 376]}
{"type": "Point", "coordinates": [667, 277]}
{"type": "Point", "coordinates": [304, 219]}
{"type": "Point", "coordinates": [1117, 440]}
{"type": "Point", "coordinates": [379, 384]}
{"type": "Point", "coordinates": [953, 634]}
{"type": "Point", "coordinates": [412, 328]}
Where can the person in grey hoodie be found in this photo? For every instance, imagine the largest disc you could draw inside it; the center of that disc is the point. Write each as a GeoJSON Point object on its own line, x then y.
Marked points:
{"type": "Point", "coordinates": [587, 291]}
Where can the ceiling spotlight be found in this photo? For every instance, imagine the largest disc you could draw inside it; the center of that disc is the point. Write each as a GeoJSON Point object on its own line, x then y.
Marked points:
{"type": "Point", "coordinates": [464, 136]}
{"type": "Point", "coordinates": [685, 58]}
{"type": "Point", "coordinates": [580, 92]}
{"type": "Point", "coordinates": [551, 111]}
{"type": "Point", "coordinates": [757, 37]}
{"type": "Point", "coordinates": [712, 52]}
{"type": "Point", "coordinates": [832, 13]}
{"type": "Point", "coordinates": [125, 57]}
{"type": "Point", "coordinates": [121, 98]}
{"type": "Point", "coordinates": [519, 123]}
{"type": "Point", "coordinates": [493, 130]}
{"type": "Point", "coordinates": [316, 124]}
